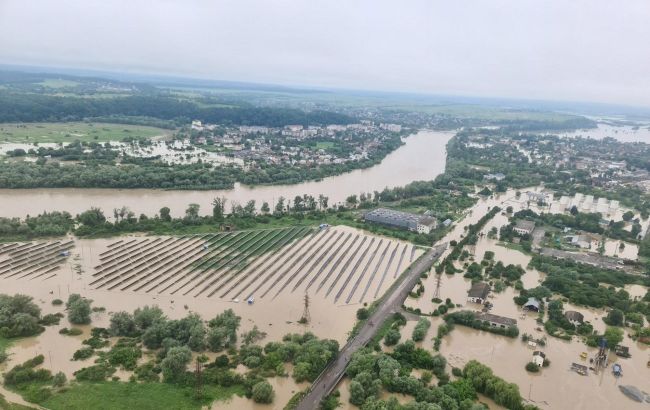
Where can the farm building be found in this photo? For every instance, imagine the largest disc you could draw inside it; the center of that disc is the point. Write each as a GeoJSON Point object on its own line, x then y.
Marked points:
{"type": "Point", "coordinates": [405, 220]}
{"type": "Point", "coordinates": [524, 227]}
{"type": "Point", "coordinates": [496, 320]}
{"type": "Point", "coordinates": [478, 292]}
{"type": "Point", "coordinates": [576, 318]}
{"type": "Point", "coordinates": [532, 305]}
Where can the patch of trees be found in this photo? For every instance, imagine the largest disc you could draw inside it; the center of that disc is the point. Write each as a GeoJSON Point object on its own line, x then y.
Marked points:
{"type": "Point", "coordinates": [29, 107]}
{"type": "Point", "coordinates": [29, 380]}
{"type": "Point", "coordinates": [503, 393]}
{"type": "Point", "coordinates": [510, 272]}
{"type": "Point", "coordinates": [471, 236]}
{"type": "Point", "coordinates": [45, 224]}
{"type": "Point", "coordinates": [581, 284]}
{"type": "Point", "coordinates": [79, 309]}
{"type": "Point", "coordinates": [421, 329]}
{"type": "Point", "coordinates": [19, 316]}
{"type": "Point", "coordinates": [372, 372]}
{"type": "Point", "coordinates": [468, 318]}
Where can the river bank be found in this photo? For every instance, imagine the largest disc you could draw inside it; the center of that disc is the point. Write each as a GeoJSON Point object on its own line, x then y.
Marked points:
{"type": "Point", "coordinates": [422, 157]}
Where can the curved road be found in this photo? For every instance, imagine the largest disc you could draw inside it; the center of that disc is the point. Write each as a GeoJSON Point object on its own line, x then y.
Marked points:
{"type": "Point", "coordinates": [334, 372]}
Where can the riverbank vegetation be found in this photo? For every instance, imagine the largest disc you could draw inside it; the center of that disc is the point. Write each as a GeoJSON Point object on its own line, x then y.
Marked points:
{"type": "Point", "coordinates": [300, 210]}
{"type": "Point", "coordinates": [156, 353]}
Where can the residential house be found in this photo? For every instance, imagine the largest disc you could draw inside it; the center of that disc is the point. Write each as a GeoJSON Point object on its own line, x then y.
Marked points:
{"type": "Point", "coordinates": [478, 292]}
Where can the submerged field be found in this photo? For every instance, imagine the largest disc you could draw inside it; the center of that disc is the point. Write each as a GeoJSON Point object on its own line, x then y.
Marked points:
{"type": "Point", "coordinates": [71, 131]}
{"type": "Point", "coordinates": [337, 267]}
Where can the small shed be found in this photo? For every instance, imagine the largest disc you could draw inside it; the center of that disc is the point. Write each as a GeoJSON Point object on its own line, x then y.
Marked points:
{"type": "Point", "coordinates": [532, 305]}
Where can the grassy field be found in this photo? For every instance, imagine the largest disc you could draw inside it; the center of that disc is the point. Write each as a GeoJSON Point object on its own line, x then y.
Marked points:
{"type": "Point", "coordinates": [4, 345]}
{"type": "Point", "coordinates": [71, 131]}
{"type": "Point", "coordinates": [324, 144]}
{"type": "Point", "coordinates": [5, 405]}
{"type": "Point", "coordinates": [484, 112]}
{"type": "Point", "coordinates": [58, 83]}
{"type": "Point", "coordinates": [142, 396]}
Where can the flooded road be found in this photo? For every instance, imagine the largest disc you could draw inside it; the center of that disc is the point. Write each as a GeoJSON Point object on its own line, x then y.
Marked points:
{"type": "Point", "coordinates": [422, 157]}
{"type": "Point", "coordinates": [554, 387]}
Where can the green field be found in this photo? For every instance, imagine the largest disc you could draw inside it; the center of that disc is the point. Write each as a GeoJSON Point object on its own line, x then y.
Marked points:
{"type": "Point", "coordinates": [58, 83]}
{"type": "Point", "coordinates": [142, 396]}
{"type": "Point", "coordinates": [71, 131]}
{"type": "Point", "coordinates": [324, 144]}
{"type": "Point", "coordinates": [483, 112]}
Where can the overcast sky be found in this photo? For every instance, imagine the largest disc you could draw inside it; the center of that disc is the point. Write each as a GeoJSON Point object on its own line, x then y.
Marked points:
{"type": "Point", "coordinates": [589, 50]}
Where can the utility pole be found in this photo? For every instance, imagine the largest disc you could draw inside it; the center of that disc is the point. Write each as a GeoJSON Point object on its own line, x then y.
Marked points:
{"type": "Point", "coordinates": [199, 381]}
{"type": "Point", "coordinates": [306, 317]}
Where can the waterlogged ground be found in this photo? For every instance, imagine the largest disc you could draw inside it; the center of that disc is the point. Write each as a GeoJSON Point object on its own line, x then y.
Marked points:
{"type": "Point", "coordinates": [555, 387]}
{"type": "Point", "coordinates": [275, 312]}
{"type": "Point", "coordinates": [421, 158]}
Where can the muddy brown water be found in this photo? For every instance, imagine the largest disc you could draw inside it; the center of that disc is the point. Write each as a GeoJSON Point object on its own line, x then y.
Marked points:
{"type": "Point", "coordinates": [554, 387]}
{"type": "Point", "coordinates": [275, 315]}
{"type": "Point", "coordinates": [279, 316]}
{"type": "Point", "coordinates": [422, 157]}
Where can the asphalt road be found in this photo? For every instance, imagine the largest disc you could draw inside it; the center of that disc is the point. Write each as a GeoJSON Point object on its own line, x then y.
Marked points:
{"type": "Point", "coordinates": [330, 377]}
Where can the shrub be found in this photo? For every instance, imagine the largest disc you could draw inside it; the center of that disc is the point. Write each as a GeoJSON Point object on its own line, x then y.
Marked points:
{"type": "Point", "coordinates": [83, 353]}
{"type": "Point", "coordinates": [363, 314]}
{"type": "Point", "coordinates": [392, 337]}
{"type": "Point", "coordinates": [263, 392]}
{"type": "Point", "coordinates": [532, 367]}
{"type": "Point", "coordinates": [421, 329]}
{"type": "Point", "coordinates": [59, 379]}
{"type": "Point", "coordinates": [78, 309]}
{"type": "Point", "coordinates": [96, 373]}
{"type": "Point", "coordinates": [57, 302]}
{"type": "Point", "coordinates": [71, 332]}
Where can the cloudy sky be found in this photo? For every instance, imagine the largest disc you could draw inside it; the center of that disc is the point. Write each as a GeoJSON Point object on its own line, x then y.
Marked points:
{"type": "Point", "coordinates": [584, 50]}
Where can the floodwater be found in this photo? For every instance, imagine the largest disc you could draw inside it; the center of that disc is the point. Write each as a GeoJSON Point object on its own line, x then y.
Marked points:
{"type": "Point", "coordinates": [555, 387]}
{"type": "Point", "coordinates": [620, 133]}
{"type": "Point", "coordinates": [422, 157]}
{"type": "Point", "coordinates": [330, 318]}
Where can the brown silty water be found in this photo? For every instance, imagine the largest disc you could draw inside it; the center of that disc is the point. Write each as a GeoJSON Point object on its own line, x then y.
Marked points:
{"type": "Point", "coordinates": [422, 157]}
{"type": "Point", "coordinates": [555, 387]}
{"type": "Point", "coordinates": [276, 280]}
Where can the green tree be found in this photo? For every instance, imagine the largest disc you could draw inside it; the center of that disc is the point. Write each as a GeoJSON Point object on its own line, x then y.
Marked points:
{"type": "Point", "coordinates": [175, 363]}
{"type": "Point", "coordinates": [192, 212]}
{"type": "Point", "coordinates": [263, 392]}
{"type": "Point", "coordinates": [165, 214]}
{"type": "Point", "coordinates": [123, 324]}
{"type": "Point", "coordinates": [392, 337]}
{"type": "Point", "coordinates": [613, 336]}
{"type": "Point", "coordinates": [78, 309]}
{"type": "Point", "coordinates": [218, 208]}
{"type": "Point", "coordinates": [92, 217]}
{"type": "Point", "coordinates": [615, 317]}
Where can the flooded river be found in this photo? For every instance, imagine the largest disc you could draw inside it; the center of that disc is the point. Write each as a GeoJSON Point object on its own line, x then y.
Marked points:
{"type": "Point", "coordinates": [422, 157]}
